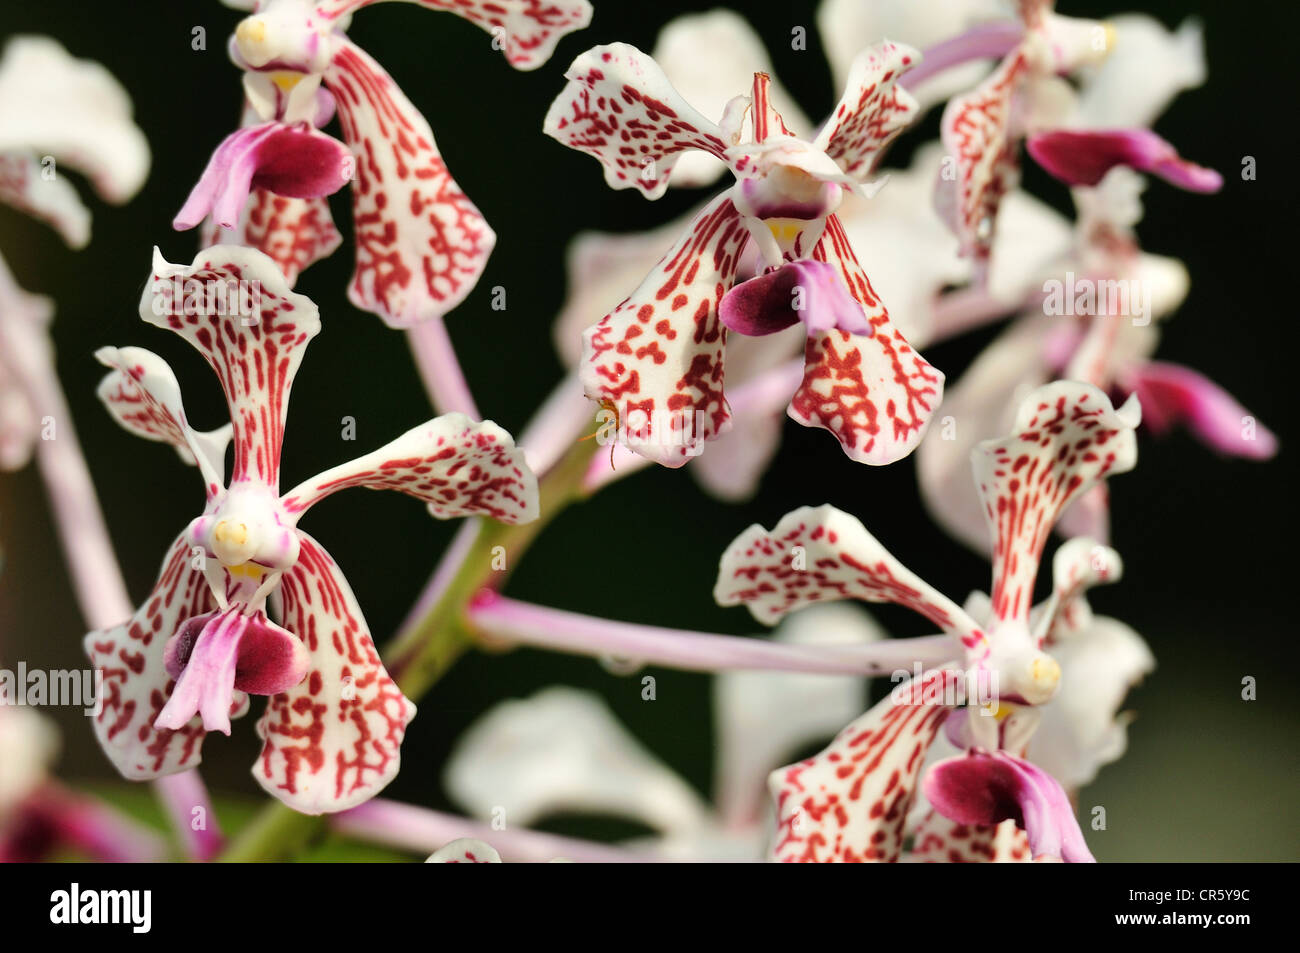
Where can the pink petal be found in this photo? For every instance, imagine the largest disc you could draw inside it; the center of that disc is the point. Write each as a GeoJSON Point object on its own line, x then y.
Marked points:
{"type": "Point", "coordinates": [940, 840]}
{"type": "Point", "coordinates": [136, 684]}
{"type": "Point", "coordinates": [334, 740]}
{"type": "Point", "coordinates": [1172, 394]}
{"type": "Point", "coordinates": [873, 110]}
{"type": "Point", "coordinates": [293, 161]}
{"type": "Point", "coordinates": [529, 31]}
{"type": "Point", "coordinates": [808, 291]}
{"type": "Point", "coordinates": [456, 465]}
{"type": "Point", "coordinates": [657, 357]}
{"type": "Point", "coordinates": [875, 394]}
{"type": "Point", "coordinates": [1083, 157]}
{"type": "Point", "coordinates": [850, 802]}
{"type": "Point", "coordinates": [986, 789]}
{"type": "Point", "coordinates": [975, 133]}
{"type": "Point", "coordinates": [421, 243]}
{"type": "Point", "coordinates": [295, 233]}
{"type": "Point", "coordinates": [620, 108]}
{"type": "Point", "coordinates": [1066, 438]}
{"type": "Point", "coordinates": [214, 655]}
{"type": "Point", "coordinates": [821, 554]}
{"type": "Point", "coordinates": [255, 355]}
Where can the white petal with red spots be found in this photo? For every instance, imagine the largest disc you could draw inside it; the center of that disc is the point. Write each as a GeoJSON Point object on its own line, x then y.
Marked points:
{"type": "Point", "coordinates": [458, 466]}
{"type": "Point", "coordinates": [334, 740]}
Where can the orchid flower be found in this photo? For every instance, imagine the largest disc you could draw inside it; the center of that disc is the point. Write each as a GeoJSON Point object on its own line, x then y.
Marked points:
{"type": "Point", "coordinates": [563, 751]}
{"type": "Point", "coordinates": [185, 663]}
{"type": "Point", "coordinates": [1111, 351]}
{"type": "Point", "coordinates": [1024, 97]}
{"type": "Point", "coordinates": [851, 801]}
{"type": "Point", "coordinates": [657, 359]}
{"type": "Point", "coordinates": [421, 243]}
{"type": "Point", "coordinates": [54, 110]}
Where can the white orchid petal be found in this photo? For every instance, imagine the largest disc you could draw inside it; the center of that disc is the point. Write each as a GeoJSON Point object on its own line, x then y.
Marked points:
{"type": "Point", "coordinates": [563, 750]}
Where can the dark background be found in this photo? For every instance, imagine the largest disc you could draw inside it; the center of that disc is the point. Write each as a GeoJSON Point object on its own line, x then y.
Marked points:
{"type": "Point", "coordinates": [1206, 541]}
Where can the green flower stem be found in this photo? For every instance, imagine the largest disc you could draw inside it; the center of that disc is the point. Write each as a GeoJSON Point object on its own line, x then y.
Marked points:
{"type": "Point", "coordinates": [428, 649]}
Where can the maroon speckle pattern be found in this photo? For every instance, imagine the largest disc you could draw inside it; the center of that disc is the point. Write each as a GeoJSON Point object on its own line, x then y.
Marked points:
{"type": "Point", "coordinates": [873, 110]}
{"type": "Point", "coordinates": [324, 751]}
{"type": "Point", "coordinates": [532, 27]}
{"type": "Point", "coordinates": [254, 357]}
{"type": "Point", "coordinates": [421, 243]}
{"type": "Point", "coordinates": [661, 350]}
{"type": "Point", "coordinates": [136, 685]}
{"type": "Point", "coordinates": [974, 131]}
{"type": "Point", "coordinates": [849, 803]}
{"type": "Point", "coordinates": [294, 233]}
{"type": "Point", "coordinates": [1066, 443]}
{"type": "Point", "coordinates": [616, 108]}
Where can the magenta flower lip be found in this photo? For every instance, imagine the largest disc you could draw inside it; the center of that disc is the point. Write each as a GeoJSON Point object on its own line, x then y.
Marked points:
{"type": "Point", "coordinates": [1083, 157]}
{"type": "Point", "coordinates": [293, 161]}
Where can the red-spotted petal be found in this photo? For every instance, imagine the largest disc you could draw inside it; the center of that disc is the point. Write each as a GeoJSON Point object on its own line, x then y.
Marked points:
{"type": "Point", "coordinates": [294, 233]}
{"type": "Point", "coordinates": [658, 356]}
{"type": "Point", "coordinates": [528, 30]}
{"type": "Point", "coordinates": [421, 243]}
{"type": "Point", "coordinates": [458, 466]}
{"type": "Point", "coordinates": [941, 840]}
{"type": "Point", "coordinates": [850, 802]}
{"type": "Point", "coordinates": [821, 554]}
{"type": "Point", "coordinates": [875, 393]}
{"type": "Point", "coordinates": [1067, 437]}
{"type": "Point", "coordinates": [873, 110]}
{"type": "Point", "coordinates": [620, 108]}
{"type": "Point", "coordinates": [975, 133]}
{"type": "Point", "coordinates": [136, 685]}
{"type": "Point", "coordinates": [254, 346]}
{"type": "Point", "coordinates": [142, 395]}
{"type": "Point", "coordinates": [333, 741]}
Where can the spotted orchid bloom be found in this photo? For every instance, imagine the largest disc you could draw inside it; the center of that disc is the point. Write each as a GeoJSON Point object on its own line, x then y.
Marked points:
{"type": "Point", "coordinates": [851, 802]}
{"type": "Point", "coordinates": [1113, 351]}
{"type": "Point", "coordinates": [421, 244]}
{"type": "Point", "coordinates": [563, 751]}
{"type": "Point", "coordinates": [657, 359]}
{"type": "Point", "coordinates": [1024, 98]}
{"type": "Point", "coordinates": [54, 111]}
{"type": "Point", "coordinates": [202, 642]}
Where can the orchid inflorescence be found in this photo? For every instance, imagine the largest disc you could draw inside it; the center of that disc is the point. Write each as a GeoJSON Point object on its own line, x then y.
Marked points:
{"type": "Point", "coordinates": [812, 277]}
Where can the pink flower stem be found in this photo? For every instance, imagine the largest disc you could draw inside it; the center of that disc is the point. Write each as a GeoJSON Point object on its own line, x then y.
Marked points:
{"type": "Point", "coordinates": [973, 307]}
{"type": "Point", "coordinates": [187, 803]}
{"type": "Point", "coordinates": [984, 42]}
{"type": "Point", "coordinates": [94, 829]}
{"type": "Point", "coordinates": [440, 369]}
{"type": "Point", "coordinates": [97, 578]}
{"type": "Point", "coordinates": [418, 829]}
{"type": "Point", "coordinates": [499, 619]}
